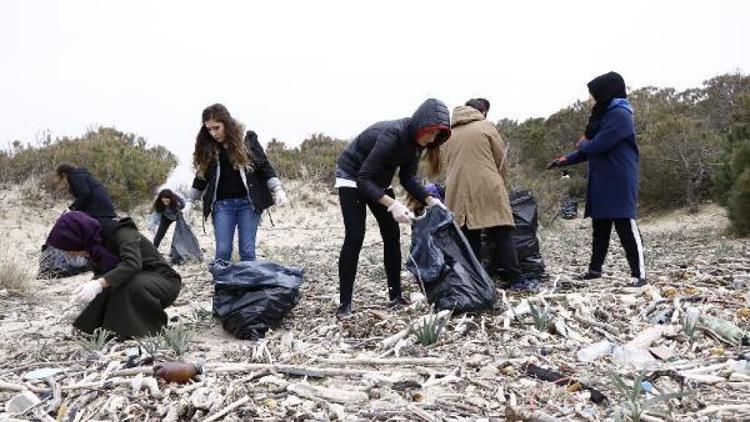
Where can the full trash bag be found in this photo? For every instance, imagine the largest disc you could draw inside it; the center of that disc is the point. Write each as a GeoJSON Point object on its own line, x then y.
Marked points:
{"type": "Point", "coordinates": [443, 261]}
{"type": "Point", "coordinates": [525, 241]}
{"type": "Point", "coordinates": [184, 243]}
{"type": "Point", "coordinates": [252, 296]}
{"type": "Point", "coordinates": [55, 263]}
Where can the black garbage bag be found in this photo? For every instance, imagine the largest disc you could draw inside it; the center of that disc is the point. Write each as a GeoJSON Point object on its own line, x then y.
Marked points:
{"type": "Point", "coordinates": [526, 219]}
{"type": "Point", "coordinates": [184, 244]}
{"type": "Point", "coordinates": [55, 263]}
{"type": "Point", "coordinates": [442, 259]}
{"type": "Point", "coordinates": [569, 209]}
{"type": "Point", "coordinates": [252, 296]}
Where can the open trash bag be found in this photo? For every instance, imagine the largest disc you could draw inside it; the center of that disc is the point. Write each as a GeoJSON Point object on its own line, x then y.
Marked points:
{"type": "Point", "coordinates": [184, 243]}
{"type": "Point", "coordinates": [55, 263]}
{"type": "Point", "coordinates": [526, 219]}
{"type": "Point", "coordinates": [252, 296]}
{"type": "Point", "coordinates": [442, 259]}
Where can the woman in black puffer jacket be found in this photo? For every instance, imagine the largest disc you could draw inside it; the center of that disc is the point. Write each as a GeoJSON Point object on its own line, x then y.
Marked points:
{"type": "Point", "coordinates": [364, 172]}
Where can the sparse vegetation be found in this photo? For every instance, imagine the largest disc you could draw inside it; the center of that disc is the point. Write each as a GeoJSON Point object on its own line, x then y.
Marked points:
{"type": "Point", "coordinates": [428, 332]}
{"type": "Point", "coordinates": [96, 341]}
{"type": "Point", "coordinates": [15, 274]}
{"type": "Point", "coordinates": [177, 338]}
{"type": "Point", "coordinates": [634, 403]}
{"type": "Point", "coordinates": [129, 169]}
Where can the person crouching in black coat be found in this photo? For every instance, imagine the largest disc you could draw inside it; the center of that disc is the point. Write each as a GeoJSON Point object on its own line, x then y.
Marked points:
{"type": "Point", "coordinates": [364, 172]}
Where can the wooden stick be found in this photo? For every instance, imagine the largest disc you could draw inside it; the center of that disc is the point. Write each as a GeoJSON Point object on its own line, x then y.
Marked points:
{"type": "Point", "coordinates": [392, 361]}
{"type": "Point", "coordinates": [227, 409]}
{"type": "Point", "coordinates": [8, 386]}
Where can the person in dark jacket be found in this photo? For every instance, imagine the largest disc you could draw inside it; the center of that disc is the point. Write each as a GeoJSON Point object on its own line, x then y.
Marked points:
{"type": "Point", "coordinates": [235, 181]}
{"type": "Point", "coordinates": [91, 196]}
{"type": "Point", "coordinates": [135, 283]}
{"type": "Point", "coordinates": [364, 172]}
{"type": "Point", "coordinates": [166, 209]}
{"type": "Point", "coordinates": [610, 148]}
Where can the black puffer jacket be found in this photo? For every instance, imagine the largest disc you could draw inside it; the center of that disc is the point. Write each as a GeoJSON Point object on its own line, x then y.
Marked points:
{"type": "Point", "coordinates": [257, 179]}
{"type": "Point", "coordinates": [91, 196]}
{"type": "Point", "coordinates": [374, 155]}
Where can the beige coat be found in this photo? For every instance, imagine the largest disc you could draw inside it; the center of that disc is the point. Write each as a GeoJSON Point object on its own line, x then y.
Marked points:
{"type": "Point", "coordinates": [476, 168]}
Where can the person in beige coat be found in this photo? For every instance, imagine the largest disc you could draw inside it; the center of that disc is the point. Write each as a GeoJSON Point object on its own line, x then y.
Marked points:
{"type": "Point", "coordinates": [476, 170]}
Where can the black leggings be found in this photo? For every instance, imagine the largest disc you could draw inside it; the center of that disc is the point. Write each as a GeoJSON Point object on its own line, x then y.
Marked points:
{"type": "Point", "coordinates": [502, 252]}
{"type": "Point", "coordinates": [162, 230]}
{"type": "Point", "coordinates": [353, 209]}
{"type": "Point", "coordinates": [630, 238]}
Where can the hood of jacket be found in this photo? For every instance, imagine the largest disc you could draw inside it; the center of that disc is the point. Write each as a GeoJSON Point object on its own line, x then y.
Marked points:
{"type": "Point", "coordinates": [465, 114]}
{"type": "Point", "coordinates": [432, 113]}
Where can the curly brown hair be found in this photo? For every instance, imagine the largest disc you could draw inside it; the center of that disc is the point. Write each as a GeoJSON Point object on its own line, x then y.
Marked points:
{"type": "Point", "coordinates": [207, 149]}
{"type": "Point", "coordinates": [175, 201]}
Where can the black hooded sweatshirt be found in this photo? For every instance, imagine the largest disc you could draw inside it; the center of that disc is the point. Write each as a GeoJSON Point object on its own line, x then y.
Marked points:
{"type": "Point", "coordinates": [374, 155]}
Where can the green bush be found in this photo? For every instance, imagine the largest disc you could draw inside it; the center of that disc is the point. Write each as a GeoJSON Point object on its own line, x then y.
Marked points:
{"type": "Point", "coordinates": [313, 161]}
{"type": "Point", "coordinates": [739, 204]}
{"type": "Point", "coordinates": [129, 169]}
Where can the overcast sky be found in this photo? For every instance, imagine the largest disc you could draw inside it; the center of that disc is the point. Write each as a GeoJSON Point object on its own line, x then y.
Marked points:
{"type": "Point", "coordinates": [291, 68]}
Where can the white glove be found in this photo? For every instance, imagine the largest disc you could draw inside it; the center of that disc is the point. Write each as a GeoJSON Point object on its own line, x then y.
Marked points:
{"type": "Point", "coordinates": [86, 292]}
{"type": "Point", "coordinates": [279, 198]}
{"type": "Point", "coordinates": [400, 213]}
{"type": "Point", "coordinates": [434, 202]}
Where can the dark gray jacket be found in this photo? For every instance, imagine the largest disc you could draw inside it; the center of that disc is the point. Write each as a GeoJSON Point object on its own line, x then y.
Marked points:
{"type": "Point", "coordinates": [91, 196]}
{"type": "Point", "coordinates": [374, 155]}
{"type": "Point", "coordinates": [260, 181]}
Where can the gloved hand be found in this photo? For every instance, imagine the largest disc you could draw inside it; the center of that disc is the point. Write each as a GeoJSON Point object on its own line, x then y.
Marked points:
{"type": "Point", "coordinates": [400, 213]}
{"type": "Point", "coordinates": [557, 162]}
{"type": "Point", "coordinates": [86, 292]}
{"type": "Point", "coordinates": [435, 202]}
{"type": "Point", "coordinates": [279, 198]}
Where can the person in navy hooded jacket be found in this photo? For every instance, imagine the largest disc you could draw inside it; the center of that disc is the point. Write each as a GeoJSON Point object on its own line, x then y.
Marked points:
{"type": "Point", "coordinates": [609, 146]}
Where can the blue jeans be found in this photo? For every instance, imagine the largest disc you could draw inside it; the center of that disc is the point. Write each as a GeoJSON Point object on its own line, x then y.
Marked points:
{"type": "Point", "coordinates": [228, 215]}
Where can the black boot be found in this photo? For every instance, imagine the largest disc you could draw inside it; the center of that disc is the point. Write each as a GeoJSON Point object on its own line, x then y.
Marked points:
{"type": "Point", "coordinates": [344, 310]}
{"type": "Point", "coordinates": [398, 302]}
{"type": "Point", "coordinates": [590, 275]}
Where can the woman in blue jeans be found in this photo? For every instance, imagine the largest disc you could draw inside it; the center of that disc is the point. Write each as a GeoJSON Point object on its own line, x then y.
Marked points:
{"type": "Point", "coordinates": [234, 180]}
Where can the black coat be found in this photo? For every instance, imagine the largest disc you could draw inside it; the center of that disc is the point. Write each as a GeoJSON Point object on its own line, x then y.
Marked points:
{"type": "Point", "coordinates": [257, 177]}
{"type": "Point", "coordinates": [91, 196]}
{"type": "Point", "coordinates": [374, 155]}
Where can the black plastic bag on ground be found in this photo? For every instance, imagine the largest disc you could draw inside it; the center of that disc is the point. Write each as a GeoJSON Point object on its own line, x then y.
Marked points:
{"type": "Point", "coordinates": [442, 259]}
{"type": "Point", "coordinates": [525, 241]}
{"type": "Point", "coordinates": [252, 296]}
{"type": "Point", "coordinates": [55, 263]}
{"type": "Point", "coordinates": [184, 244]}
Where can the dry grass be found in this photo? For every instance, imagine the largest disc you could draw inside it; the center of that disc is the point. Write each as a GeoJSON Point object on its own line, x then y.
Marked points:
{"type": "Point", "coordinates": [15, 274]}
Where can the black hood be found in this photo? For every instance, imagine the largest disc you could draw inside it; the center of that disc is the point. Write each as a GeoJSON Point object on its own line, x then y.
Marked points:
{"type": "Point", "coordinates": [604, 89]}
{"type": "Point", "coordinates": [432, 113]}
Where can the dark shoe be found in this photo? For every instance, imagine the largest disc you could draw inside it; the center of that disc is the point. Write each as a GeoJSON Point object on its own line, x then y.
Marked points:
{"type": "Point", "coordinates": [344, 310]}
{"type": "Point", "coordinates": [640, 282]}
{"type": "Point", "coordinates": [590, 275]}
{"type": "Point", "coordinates": [399, 302]}
{"type": "Point", "coordinates": [525, 285]}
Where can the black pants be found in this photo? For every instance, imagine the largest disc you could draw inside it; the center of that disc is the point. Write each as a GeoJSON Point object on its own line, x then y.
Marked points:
{"type": "Point", "coordinates": [630, 238]}
{"type": "Point", "coordinates": [353, 208]}
{"type": "Point", "coordinates": [502, 252]}
{"type": "Point", "coordinates": [162, 230]}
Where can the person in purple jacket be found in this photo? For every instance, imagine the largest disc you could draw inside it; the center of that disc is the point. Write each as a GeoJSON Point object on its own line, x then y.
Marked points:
{"type": "Point", "coordinates": [610, 148]}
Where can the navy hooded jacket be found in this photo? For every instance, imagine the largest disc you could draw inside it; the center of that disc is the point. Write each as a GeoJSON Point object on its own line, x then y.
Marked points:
{"type": "Point", "coordinates": [91, 196]}
{"type": "Point", "coordinates": [613, 157]}
{"type": "Point", "coordinates": [371, 159]}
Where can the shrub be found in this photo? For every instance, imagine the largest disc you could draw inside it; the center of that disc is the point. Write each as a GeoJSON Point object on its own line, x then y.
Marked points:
{"type": "Point", "coordinates": [128, 168]}
{"type": "Point", "coordinates": [313, 161]}
{"type": "Point", "coordinates": [732, 180]}
{"type": "Point", "coordinates": [15, 275]}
